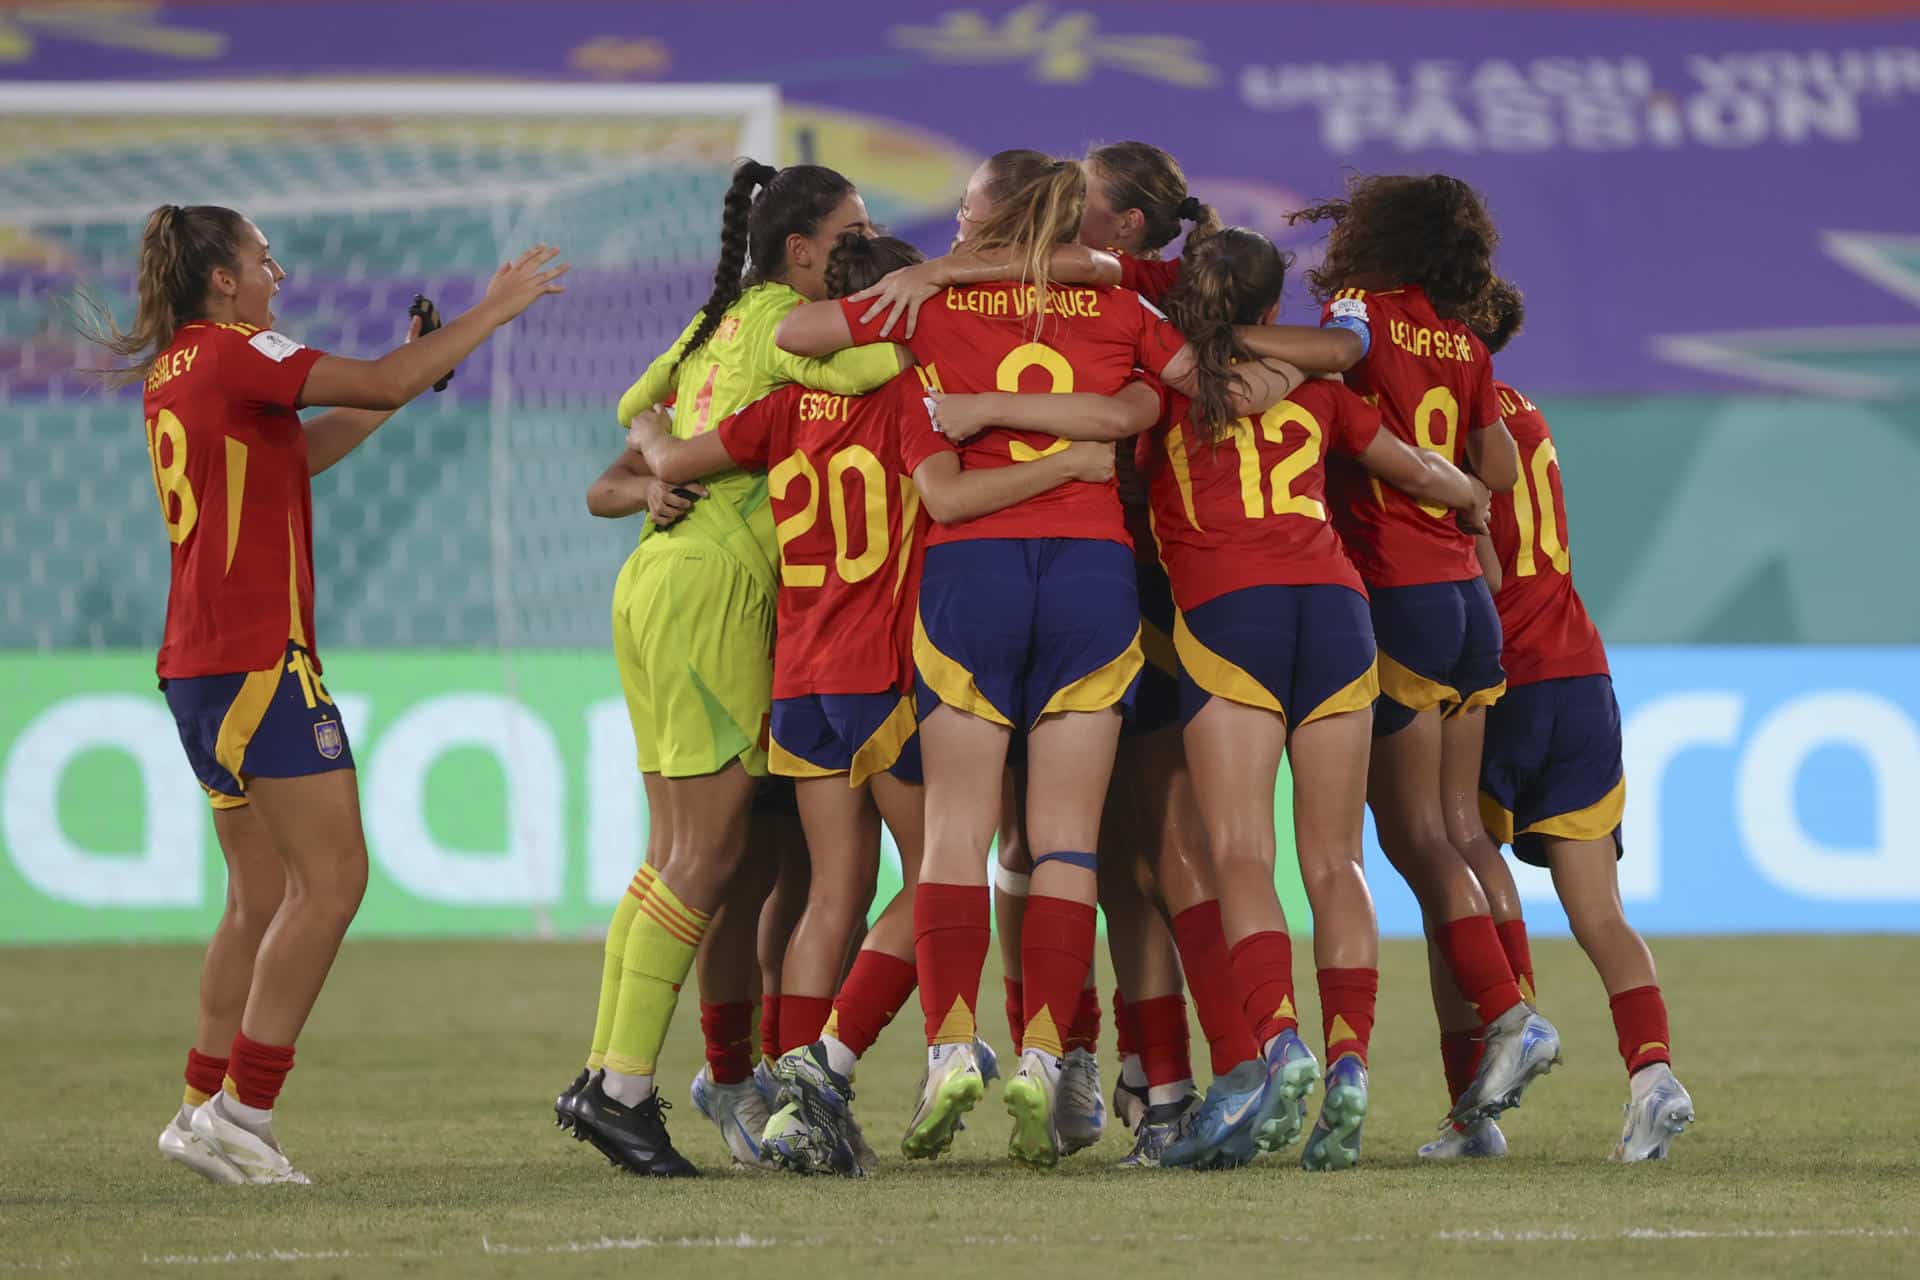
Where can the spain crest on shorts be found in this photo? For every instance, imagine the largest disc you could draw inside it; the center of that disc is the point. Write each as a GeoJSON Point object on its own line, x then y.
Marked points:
{"type": "Point", "coordinates": [329, 739]}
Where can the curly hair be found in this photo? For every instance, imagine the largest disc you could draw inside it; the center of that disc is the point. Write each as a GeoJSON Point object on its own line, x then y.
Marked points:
{"type": "Point", "coordinates": [1503, 315]}
{"type": "Point", "coordinates": [1399, 229]}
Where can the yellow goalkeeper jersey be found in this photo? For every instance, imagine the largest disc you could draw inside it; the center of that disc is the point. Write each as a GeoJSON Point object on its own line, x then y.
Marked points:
{"type": "Point", "coordinates": [739, 364]}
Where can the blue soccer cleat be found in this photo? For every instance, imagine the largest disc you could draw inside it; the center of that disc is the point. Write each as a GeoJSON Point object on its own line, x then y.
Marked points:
{"type": "Point", "coordinates": [1291, 1075]}
{"type": "Point", "coordinates": [1221, 1135]}
{"type": "Point", "coordinates": [1335, 1140]}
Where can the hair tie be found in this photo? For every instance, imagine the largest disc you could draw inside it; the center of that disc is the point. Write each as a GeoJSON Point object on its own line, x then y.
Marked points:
{"type": "Point", "coordinates": [1191, 209]}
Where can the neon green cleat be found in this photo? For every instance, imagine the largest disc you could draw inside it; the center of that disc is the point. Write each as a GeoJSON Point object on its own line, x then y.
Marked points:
{"type": "Point", "coordinates": [949, 1089]}
{"type": "Point", "coordinates": [1030, 1101]}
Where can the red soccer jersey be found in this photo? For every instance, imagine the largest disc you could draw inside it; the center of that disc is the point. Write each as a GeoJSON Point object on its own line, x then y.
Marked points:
{"type": "Point", "coordinates": [984, 338]}
{"type": "Point", "coordinates": [1251, 510]}
{"type": "Point", "coordinates": [849, 522]}
{"type": "Point", "coordinates": [1433, 383]}
{"type": "Point", "coordinates": [229, 461]}
{"type": "Point", "coordinates": [1151, 278]}
{"type": "Point", "coordinates": [1548, 635]}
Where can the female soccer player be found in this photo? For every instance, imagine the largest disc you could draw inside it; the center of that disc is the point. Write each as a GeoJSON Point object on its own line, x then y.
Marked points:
{"type": "Point", "coordinates": [694, 611]}
{"type": "Point", "coordinates": [232, 463]}
{"type": "Point", "coordinates": [1410, 258]}
{"type": "Point", "coordinates": [1551, 781]}
{"type": "Point", "coordinates": [1028, 622]}
{"type": "Point", "coordinates": [843, 723]}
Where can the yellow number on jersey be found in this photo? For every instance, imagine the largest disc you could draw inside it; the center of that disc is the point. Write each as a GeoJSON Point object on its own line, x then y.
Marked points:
{"type": "Point", "coordinates": [178, 507]}
{"type": "Point", "coordinates": [1290, 467]}
{"type": "Point", "coordinates": [873, 515]}
{"type": "Point", "coordinates": [1026, 356]}
{"type": "Point", "coordinates": [1438, 403]}
{"type": "Point", "coordinates": [1544, 531]}
{"type": "Point", "coordinates": [795, 466]}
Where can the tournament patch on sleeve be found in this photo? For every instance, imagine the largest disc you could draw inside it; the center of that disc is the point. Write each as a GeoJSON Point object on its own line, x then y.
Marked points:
{"type": "Point", "coordinates": [1350, 314]}
{"type": "Point", "coordinates": [274, 346]}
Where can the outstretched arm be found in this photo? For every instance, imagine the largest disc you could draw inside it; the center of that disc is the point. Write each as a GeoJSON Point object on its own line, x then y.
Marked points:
{"type": "Point", "coordinates": [334, 434]}
{"type": "Point", "coordinates": [1425, 476]}
{"type": "Point", "coordinates": [953, 494]}
{"type": "Point", "coordinates": [1313, 350]}
{"type": "Point", "coordinates": [409, 369]}
{"type": "Point", "coordinates": [1075, 415]}
{"type": "Point", "coordinates": [672, 459]}
{"type": "Point", "coordinates": [627, 488]}
{"type": "Point", "coordinates": [905, 289]}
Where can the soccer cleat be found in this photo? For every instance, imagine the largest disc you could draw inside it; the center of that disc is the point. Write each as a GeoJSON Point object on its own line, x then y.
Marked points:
{"type": "Point", "coordinates": [1655, 1117]}
{"type": "Point", "coordinates": [1221, 1133]}
{"type": "Point", "coordinates": [785, 1140]}
{"type": "Point", "coordinates": [1291, 1075]}
{"type": "Point", "coordinates": [1081, 1116]}
{"type": "Point", "coordinates": [824, 1140]}
{"type": "Point", "coordinates": [563, 1105]}
{"type": "Point", "coordinates": [738, 1111]}
{"type": "Point", "coordinates": [949, 1088]}
{"type": "Point", "coordinates": [1033, 1100]}
{"type": "Point", "coordinates": [180, 1144]}
{"type": "Point", "coordinates": [1159, 1127]}
{"type": "Point", "coordinates": [1521, 1046]}
{"type": "Point", "coordinates": [769, 1087]}
{"type": "Point", "coordinates": [1481, 1141]}
{"type": "Point", "coordinates": [631, 1138]}
{"type": "Point", "coordinates": [989, 1060]}
{"type": "Point", "coordinates": [1129, 1103]}
{"type": "Point", "coordinates": [257, 1158]}
{"type": "Point", "coordinates": [1335, 1140]}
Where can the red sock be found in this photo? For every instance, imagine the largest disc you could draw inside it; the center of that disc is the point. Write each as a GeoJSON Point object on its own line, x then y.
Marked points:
{"type": "Point", "coordinates": [951, 932]}
{"type": "Point", "coordinates": [204, 1074]}
{"type": "Point", "coordinates": [1016, 1011]}
{"type": "Point", "coordinates": [1164, 1037]}
{"type": "Point", "coordinates": [1202, 942]}
{"type": "Point", "coordinates": [256, 1071]}
{"type": "Point", "coordinates": [728, 1031]}
{"type": "Point", "coordinates": [1128, 1034]}
{"type": "Point", "coordinates": [1640, 1019]}
{"type": "Point", "coordinates": [1346, 1011]}
{"type": "Point", "coordinates": [1513, 941]}
{"type": "Point", "coordinates": [1263, 970]}
{"type": "Point", "coordinates": [876, 988]}
{"type": "Point", "coordinates": [770, 1027]}
{"type": "Point", "coordinates": [1056, 951]}
{"type": "Point", "coordinates": [1085, 1031]}
{"type": "Point", "coordinates": [801, 1018]}
{"type": "Point", "coordinates": [1460, 1053]}
{"type": "Point", "coordinates": [1479, 965]}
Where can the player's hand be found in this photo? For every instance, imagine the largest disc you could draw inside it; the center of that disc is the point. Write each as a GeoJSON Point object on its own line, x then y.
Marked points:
{"type": "Point", "coordinates": [1090, 460]}
{"type": "Point", "coordinates": [519, 284]}
{"type": "Point", "coordinates": [1475, 518]}
{"type": "Point", "coordinates": [665, 506]}
{"type": "Point", "coordinates": [959, 417]}
{"type": "Point", "coordinates": [413, 330]}
{"type": "Point", "coordinates": [645, 429]}
{"type": "Point", "coordinates": [898, 291]}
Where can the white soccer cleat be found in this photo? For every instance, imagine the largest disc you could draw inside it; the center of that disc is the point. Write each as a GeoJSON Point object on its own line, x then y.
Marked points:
{"type": "Point", "coordinates": [739, 1112]}
{"type": "Point", "coordinates": [1481, 1141]}
{"type": "Point", "coordinates": [950, 1087]}
{"type": "Point", "coordinates": [257, 1159]}
{"type": "Point", "coordinates": [1032, 1098]}
{"type": "Point", "coordinates": [180, 1144]}
{"type": "Point", "coordinates": [1657, 1114]}
{"type": "Point", "coordinates": [1081, 1113]}
{"type": "Point", "coordinates": [1521, 1047]}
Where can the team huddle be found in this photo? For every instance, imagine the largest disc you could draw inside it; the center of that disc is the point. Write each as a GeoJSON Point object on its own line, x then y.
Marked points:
{"type": "Point", "coordinates": [1045, 553]}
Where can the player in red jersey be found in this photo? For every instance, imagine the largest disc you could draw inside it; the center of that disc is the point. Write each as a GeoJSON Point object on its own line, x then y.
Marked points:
{"type": "Point", "coordinates": [847, 477]}
{"type": "Point", "coordinates": [232, 463]}
{"type": "Point", "coordinates": [1408, 259]}
{"type": "Point", "coordinates": [1028, 622]}
{"type": "Point", "coordinates": [1551, 782]}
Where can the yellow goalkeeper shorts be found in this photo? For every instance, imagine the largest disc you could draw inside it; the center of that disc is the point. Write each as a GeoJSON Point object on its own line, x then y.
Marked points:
{"type": "Point", "coordinates": [693, 637]}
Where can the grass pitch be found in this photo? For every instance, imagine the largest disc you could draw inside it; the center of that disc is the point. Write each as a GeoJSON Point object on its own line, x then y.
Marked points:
{"type": "Point", "coordinates": [421, 1108]}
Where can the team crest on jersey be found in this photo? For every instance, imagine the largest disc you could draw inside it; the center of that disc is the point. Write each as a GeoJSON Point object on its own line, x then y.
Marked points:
{"type": "Point", "coordinates": [329, 739]}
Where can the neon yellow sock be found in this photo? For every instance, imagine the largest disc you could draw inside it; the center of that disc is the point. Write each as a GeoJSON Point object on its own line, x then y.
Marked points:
{"type": "Point", "coordinates": [660, 948]}
{"type": "Point", "coordinates": [610, 966]}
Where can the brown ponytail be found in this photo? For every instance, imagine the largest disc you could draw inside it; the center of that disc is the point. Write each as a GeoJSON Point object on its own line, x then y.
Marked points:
{"type": "Point", "coordinates": [1042, 214]}
{"type": "Point", "coordinates": [179, 249]}
{"type": "Point", "coordinates": [1231, 278]}
{"type": "Point", "coordinates": [1139, 175]}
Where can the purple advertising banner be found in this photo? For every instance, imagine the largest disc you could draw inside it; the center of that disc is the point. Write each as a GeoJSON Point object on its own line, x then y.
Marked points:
{"type": "Point", "coordinates": [1667, 188]}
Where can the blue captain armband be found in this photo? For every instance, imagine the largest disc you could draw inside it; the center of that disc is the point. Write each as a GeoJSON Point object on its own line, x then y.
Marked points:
{"type": "Point", "coordinates": [1350, 314]}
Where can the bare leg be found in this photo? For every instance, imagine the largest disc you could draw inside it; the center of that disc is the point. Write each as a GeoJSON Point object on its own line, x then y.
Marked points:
{"type": "Point", "coordinates": [1235, 752]}
{"type": "Point", "coordinates": [256, 883]}
{"type": "Point", "coordinates": [903, 807]}
{"type": "Point", "coordinates": [843, 837]}
{"type": "Point", "coordinates": [1329, 804]}
{"type": "Point", "coordinates": [1009, 909]}
{"type": "Point", "coordinates": [1586, 876]}
{"type": "Point", "coordinates": [1461, 737]}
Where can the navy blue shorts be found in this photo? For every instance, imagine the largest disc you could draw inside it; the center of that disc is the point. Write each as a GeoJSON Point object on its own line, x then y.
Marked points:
{"type": "Point", "coordinates": [1303, 652]}
{"type": "Point", "coordinates": [1439, 647]}
{"type": "Point", "coordinates": [275, 723]}
{"type": "Point", "coordinates": [818, 735]}
{"type": "Point", "coordinates": [1551, 766]}
{"type": "Point", "coordinates": [1156, 704]}
{"type": "Point", "coordinates": [1012, 629]}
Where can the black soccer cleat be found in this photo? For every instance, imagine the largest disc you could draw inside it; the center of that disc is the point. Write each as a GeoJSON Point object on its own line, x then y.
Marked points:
{"type": "Point", "coordinates": [631, 1138]}
{"type": "Point", "coordinates": [563, 1105]}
